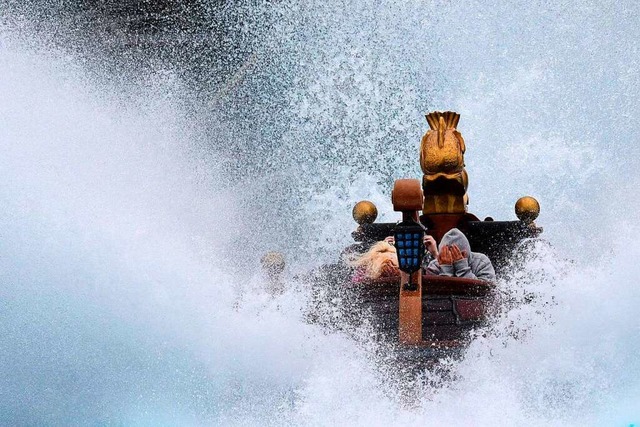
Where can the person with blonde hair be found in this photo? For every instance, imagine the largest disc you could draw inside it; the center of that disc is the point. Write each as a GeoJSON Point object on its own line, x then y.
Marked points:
{"type": "Point", "coordinates": [380, 260]}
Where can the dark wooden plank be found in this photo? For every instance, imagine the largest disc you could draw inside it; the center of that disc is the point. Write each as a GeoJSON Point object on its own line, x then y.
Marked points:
{"type": "Point", "coordinates": [443, 332]}
{"type": "Point", "coordinates": [432, 285]}
{"type": "Point", "coordinates": [437, 304]}
{"type": "Point", "coordinates": [470, 309]}
{"type": "Point", "coordinates": [438, 318]}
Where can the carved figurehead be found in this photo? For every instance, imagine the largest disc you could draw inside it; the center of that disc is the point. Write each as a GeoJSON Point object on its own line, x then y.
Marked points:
{"type": "Point", "coordinates": [442, 150]}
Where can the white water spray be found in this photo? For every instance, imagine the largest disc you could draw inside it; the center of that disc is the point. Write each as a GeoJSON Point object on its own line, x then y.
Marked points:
{"type": "Point", "coordinates": [117, 298]}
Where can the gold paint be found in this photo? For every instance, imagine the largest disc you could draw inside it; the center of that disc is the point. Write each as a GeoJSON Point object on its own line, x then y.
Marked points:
{"type": "Point", "coordinates": [365, 212]}
{"type": "Point", "coordinates": [447, 203]}
{"type": "Point", "coordinates": [442, 150]}
{"type": "Point", "coordinates": [465, 179]}
{"type": "Point", "coordinates": [527, 209]}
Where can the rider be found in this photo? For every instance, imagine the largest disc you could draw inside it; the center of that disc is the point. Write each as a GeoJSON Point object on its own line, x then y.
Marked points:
{"type": "Point", "coordinates": [455, 259]}
{"type": "Point", "coordinates": [379, 261]}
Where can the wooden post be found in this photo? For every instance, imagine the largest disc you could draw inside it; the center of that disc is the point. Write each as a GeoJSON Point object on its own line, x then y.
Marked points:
{"type": "Point", "coordinates": [407, 198]}
{"type": "Point", "coordinates": [410, 319]}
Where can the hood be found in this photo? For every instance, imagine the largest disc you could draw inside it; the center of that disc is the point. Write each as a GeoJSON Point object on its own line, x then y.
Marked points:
{"type": "Point", "coordinates": [455, 237]}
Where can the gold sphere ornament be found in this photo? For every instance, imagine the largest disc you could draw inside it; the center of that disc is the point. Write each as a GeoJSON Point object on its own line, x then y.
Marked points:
{"type": "Point", "coordinates": [365, 212]}
{"type": "Point", "coordinates": [273, 262]}
{"type": "Point", "coordinates": [527, 209]}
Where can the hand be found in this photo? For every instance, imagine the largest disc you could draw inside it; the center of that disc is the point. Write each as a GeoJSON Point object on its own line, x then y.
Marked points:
{"type": "Point", "coordinates": [444, 257]}
{"type": "Point", "coordinates": [456, 254]}
{"type": "Point", "coordinates": [431, 246]}
{"type": "Point", "coordinates": [390, 240]}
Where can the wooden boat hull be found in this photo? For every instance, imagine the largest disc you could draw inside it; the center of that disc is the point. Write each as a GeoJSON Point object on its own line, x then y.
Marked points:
{"type": "Point", "coordinates": [452, 307]}
{"type": "Point", "coordinates": [416, 313]}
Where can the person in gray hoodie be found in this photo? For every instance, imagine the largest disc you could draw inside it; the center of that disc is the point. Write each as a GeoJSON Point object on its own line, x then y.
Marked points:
{"type": "Point", "coordinates": [455, 259]}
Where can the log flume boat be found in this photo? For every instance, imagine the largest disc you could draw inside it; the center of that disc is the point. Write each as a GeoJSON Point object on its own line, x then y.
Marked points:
{"type": "Point", "coordinates": [423, 317]}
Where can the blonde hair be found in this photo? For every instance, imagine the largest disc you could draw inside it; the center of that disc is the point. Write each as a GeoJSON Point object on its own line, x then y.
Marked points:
{"type": "Point", "coordinates": [379, 261]}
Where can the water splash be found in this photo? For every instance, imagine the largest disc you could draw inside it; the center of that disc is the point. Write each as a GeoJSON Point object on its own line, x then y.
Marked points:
{"type": "Point", "coordinates": [125, 235]}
